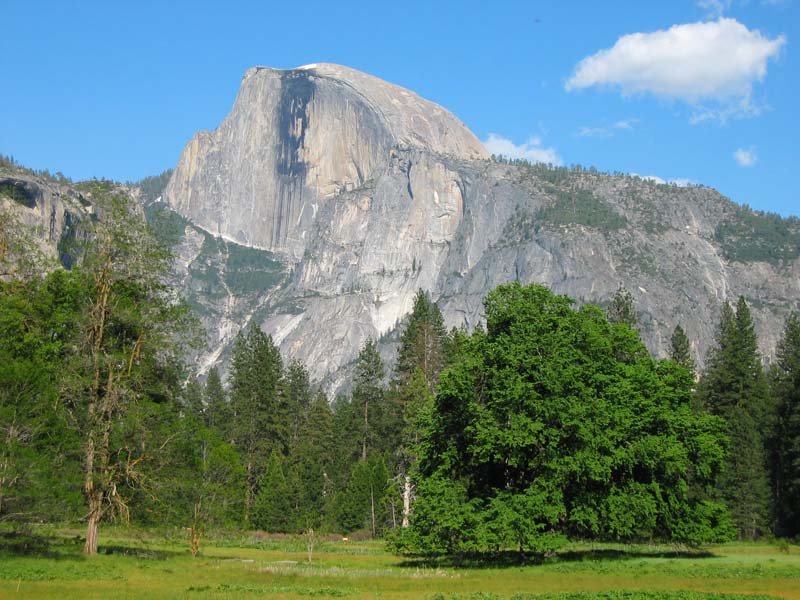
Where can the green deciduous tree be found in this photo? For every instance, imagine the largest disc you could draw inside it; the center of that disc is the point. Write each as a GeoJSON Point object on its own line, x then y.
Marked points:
{"type": "Point", "coordinates": [539, 432]}
{"type": "Point", "coordinates": [124, 355]}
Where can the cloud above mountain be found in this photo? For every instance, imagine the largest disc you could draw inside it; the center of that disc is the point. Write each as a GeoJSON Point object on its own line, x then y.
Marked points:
{"type": "Point", "coordinates": [711, 66]}
{"type": "Point", "coordinates": [531, 150]}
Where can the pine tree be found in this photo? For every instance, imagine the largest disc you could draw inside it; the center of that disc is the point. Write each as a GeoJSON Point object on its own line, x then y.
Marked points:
{"type": "Point", "coordinates": [733, 387]}
{"type": "Point", "coordinates": [260, 421]}
{"type": "Point", "coordinates": [422, 343]}
{"type": "Point", "coordinates": [217, 410]}
{"type": "Point", "coordinates": [423, 354]}
{"type": "Point", "coordinates": [369, 400]}
{"type": "Point", "coordinates": [681, 350]}
{"type": "Point", "coordinates": [298, 394]}
{"type": "Point", "coordinates": [273, 506]}
{"type": "Point", "coordinates": [622, 309]}
{"type": "Point", "coordinates": [786, 432]}
{"type": "Point", "coordinates": [363, 505]}
{"type": "Point", "coordinates": [311, 461]}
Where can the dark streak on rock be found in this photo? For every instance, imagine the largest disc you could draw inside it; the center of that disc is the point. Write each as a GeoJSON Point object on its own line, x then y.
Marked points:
{"type": "Point", "coordinates": [297, 90]}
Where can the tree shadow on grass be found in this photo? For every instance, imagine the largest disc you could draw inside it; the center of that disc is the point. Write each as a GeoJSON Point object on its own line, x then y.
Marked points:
{"type": "Point", "coordinates": [501, 560]}
{"type": "Point", "coordinates": [37, 545]}
{"type": "Point", "coordinates": [139, 552]}
{"type": "Point", "coordinates": [28, 543]}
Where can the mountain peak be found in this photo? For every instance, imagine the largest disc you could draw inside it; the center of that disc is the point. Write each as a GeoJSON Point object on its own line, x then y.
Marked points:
{"type": "Point", "coordinates": [296, 138]}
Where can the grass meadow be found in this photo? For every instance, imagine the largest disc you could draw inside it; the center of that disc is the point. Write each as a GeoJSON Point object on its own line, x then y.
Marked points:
{"type": "Point", "coordinates": [138, 564]}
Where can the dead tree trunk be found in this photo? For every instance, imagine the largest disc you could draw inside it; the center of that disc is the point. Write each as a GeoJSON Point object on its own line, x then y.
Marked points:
{"type": "Point", "coordinates": [408, 494]}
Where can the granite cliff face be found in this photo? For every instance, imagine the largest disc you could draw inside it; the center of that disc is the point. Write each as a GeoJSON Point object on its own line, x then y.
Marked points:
{"type": "Point", "coordinates": [294, 140]}
{"type": "Point", "coordinates": [53, 211]}
{"type": "Point", "coordinates": [347, 194]}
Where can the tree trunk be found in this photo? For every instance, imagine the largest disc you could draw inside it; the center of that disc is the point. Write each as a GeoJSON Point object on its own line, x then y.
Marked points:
{"type": "Point", "coordinates": [248, 492]}
{"type": "Point", "coordinates": [93, 523]}
{"type": "Point", "coordinates": [408, 492]}
{"type": "Point", "coordinates": [372, 509]}
{"type": "Point", "coordinates": [366, 431]}
{"type": "Point", "coordinates": [194, 542]}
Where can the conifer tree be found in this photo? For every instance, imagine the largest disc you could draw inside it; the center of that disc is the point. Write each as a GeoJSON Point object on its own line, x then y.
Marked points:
{"type": "Point", "coordinates": [786, 433]}
{"type": "Point", "coordinates": [422, 356]}
{"type": "Point", "coordinates": [363, 505]}
{"type": "Point", "coordinates": [681, 351]}
{"type": "Point", "coordinates": [369, 400]}
{"type": "Point", "coordinates": [734, 387]}
{"type": "Point", "coordinates": [217, 410]}
{"type": "Point", "coordinates": [622, 309]}
{"type": "Point", "coordinates": [260, 421]}
{"type": "Point", "coordinates": [311, 461]}
{"type": "Point", "coordinates": [422, 343]}
{"type": "Point", "coordinates": [273, 505]}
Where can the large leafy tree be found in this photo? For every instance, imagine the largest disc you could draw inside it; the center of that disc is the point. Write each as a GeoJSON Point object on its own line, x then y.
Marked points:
{"type": "Point", "coordinates": [125, 354]}
{"type": "Point", "coordinates": [541, 431]}
{"type": "Point", "coordinates": [734, 387]}
{"type": "Point", "coordinates": [39, 449]}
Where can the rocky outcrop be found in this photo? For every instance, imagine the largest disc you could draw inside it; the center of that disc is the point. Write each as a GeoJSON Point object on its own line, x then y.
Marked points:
{"type": "Point", "coordinates": [363, 193]}
{"type": "Point", "coordinates": [52, 210]}
{"type": "Point", "coordinates": [295, 139]}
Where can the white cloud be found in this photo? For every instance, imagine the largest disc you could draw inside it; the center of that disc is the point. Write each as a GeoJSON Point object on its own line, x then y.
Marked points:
{"type": "Point", "coordinates": [745, 158]}
{"type": "Point", "coordinates": [715, 62]}
{"type": "Point", "coordinates": [531, 150]}
{"type": "Point", "coordinates": [679, 181]}
{"type": "Point", "coordinates": [608, 130]}
{"type": "Point", "coordinates": [714, 8]}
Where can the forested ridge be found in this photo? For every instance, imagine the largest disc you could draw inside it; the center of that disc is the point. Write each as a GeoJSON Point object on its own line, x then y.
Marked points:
{"type": "Point", "coordinates": [551, 423]}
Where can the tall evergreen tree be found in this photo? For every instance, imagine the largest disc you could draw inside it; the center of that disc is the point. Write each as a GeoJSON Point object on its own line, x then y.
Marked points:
{"type": "Point", "coordinates": [422, 356]}
{"type": "Point", "coordinates": [299, 396]}
{"type": "Point", "coordinates": [622, 309]}
{"type": "Point", "coordinates": [681, 350]}
{"type": "Point", "coordinates": [363, 505]}
{"type": "Point", "coordinates": [422, 343]}
{"type": "Point", "coordinates": [311, 461]}
{"type": "Point", "coordinates": [273, 506]}
{"type": "Point", "coordinates": [370, 410]}
{"type": "Point", "coordinates": [124, 360]}
{"type": "Point", "coordinates": [786, 433]}
{"type": "Point", "coordinates": [217, 410]}
{"type": "Point", "coordinates": [734, 387]}
{"type": "Point", "coordinates": [260, 422]}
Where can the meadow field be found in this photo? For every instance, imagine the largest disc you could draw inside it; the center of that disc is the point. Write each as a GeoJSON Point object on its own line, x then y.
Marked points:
{"type": "Point", "coordinates": [136, 564]}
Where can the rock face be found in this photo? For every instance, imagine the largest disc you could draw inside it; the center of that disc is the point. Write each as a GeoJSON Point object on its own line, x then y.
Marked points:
{"type": "Point", "coordinates": [54, 211]}
{"type": "Point", "coordinates": [358, 193]}
{"type": "Point", "coordinates": [294, 140]}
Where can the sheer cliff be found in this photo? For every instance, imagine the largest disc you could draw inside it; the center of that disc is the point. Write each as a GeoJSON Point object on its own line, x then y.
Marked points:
{"type": "Point", "coordinates": [353, 193]}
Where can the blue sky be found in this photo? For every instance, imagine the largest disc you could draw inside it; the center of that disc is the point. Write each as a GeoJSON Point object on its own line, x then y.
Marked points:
{"type": "Point", "coordinates": [703, 91]}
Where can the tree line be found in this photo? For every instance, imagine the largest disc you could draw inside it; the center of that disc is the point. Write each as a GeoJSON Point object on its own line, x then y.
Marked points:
{"type": "Point", "coordinates": [551, 422]}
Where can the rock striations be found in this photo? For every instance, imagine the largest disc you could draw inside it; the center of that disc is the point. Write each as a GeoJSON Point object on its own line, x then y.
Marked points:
{"type": "Point", "coordinates": [294, 140]}
{"type": "Point", "coordinates": [364, 192]}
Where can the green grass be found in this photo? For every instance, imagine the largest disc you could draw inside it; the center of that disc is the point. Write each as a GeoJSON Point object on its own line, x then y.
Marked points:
{"type": "Point", "coordinates": [135, 564]}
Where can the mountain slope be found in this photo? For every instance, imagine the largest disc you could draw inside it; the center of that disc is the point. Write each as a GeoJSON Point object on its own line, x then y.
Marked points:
{"type": "Point", "coordinates": [364, 193]}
